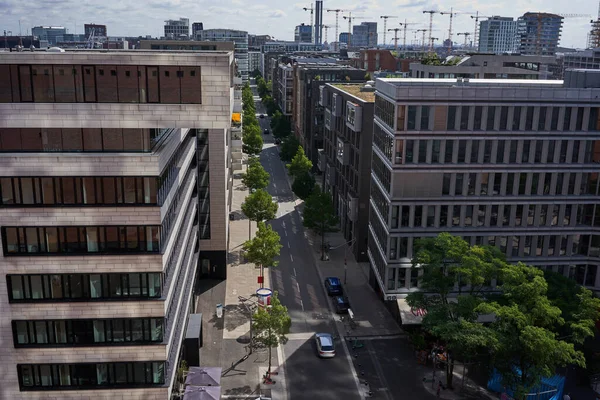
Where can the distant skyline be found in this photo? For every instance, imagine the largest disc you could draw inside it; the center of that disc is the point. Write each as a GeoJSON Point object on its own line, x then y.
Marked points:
{"type": "Point", "coordinates": [278, 18]}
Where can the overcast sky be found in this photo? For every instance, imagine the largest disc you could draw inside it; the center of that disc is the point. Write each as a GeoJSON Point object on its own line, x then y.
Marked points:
{"type": "Point", "coordinates": [278, 17]}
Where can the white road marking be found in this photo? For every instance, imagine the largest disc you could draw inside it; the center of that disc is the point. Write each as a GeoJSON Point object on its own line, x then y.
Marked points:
{"type": "Point", "coordinates": [291, 258]}
{"type": "Point", "coordinates": [285, 231]}
{"type": "Point", "coordinates": [289, 245]}
{"type": "Point", "coordinates": [300, 336]}
{"type": "Point", "coordinates": [298, 286]}
{"type": "Point", "coordinates": [295, 272]}
{"type": "Point", "coordinates": [302, 304]}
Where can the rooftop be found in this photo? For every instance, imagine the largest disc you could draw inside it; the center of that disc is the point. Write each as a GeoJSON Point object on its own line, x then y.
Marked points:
{"type": "Point", "coordinates": [471, 82]}
{"type": "Point", "coordinates": [354, 90]}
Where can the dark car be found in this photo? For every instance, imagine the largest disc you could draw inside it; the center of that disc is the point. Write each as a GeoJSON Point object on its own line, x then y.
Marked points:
{"type": "Point", "coordinates": [277, 141]}
{"type": "Point", "coordinates": [341, 304]}
{"type": "Point", "coordinates": [262, 115]}
{"type": "Point", "coordinates": [266, 132]}
{"type": "Point", "coordinates": [333, 286]}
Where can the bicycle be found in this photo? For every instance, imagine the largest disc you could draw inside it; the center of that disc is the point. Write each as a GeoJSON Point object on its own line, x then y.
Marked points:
{"type": "Point", "coordinates": [357, 344]}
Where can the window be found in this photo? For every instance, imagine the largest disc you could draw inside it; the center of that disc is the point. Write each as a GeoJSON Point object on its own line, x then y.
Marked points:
{"type": "Point", "coordinates": [435, 151]}
{"type": "Point", "coordinates": [418, 221]}
{"type": "Point", "coordinates": [542, 119]}
{"type": "Point", "coordinates": [464, 117]}
{"type": "Point", "coordinates": [425, 114]}
{"type": "Point", "coordinates": [491, 118]}
{"type": "Point", "coordinates": [462, 151]}
{"type": "Point", "coordinates": [500, 151]}
{"type": "Point", "coordinates": [451, 126]}
{"type": "Point", "coordinates": [503, 118]}
{"type": "Point", "coordinates": [385, 111]}
{"type": "Point", "coordinates": [449, 150]}
{"type": "Point", "coordinates": [410, 154]}
{"type": "Point", "coordinates": [90, 376]}
{"type": "Point", "coordinates": [422, 151]}
{"type": "Point", "coordinates": [567, 119]}
{"type": "Point", "coordinates": [478, 116]}
{"type": "Point", "coordinates": [412, 118]}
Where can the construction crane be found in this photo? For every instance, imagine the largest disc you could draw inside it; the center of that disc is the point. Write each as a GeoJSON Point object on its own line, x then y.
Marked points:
{"type": "Point", "coordinates": [385, 18]}
{"type": "Point", "coordinates": [337, 12]}
{"type": "Point", "coordinates": [466, 35]}
{"type": "Point", "coordinates": [395, 37]}
{"type": "Point", "coordinates": [594, 36]}
{"type": "Point", "coordinates": [423, 41]}
{"type": "Point", "coordinates": [312, 28]}
{"type": "Point", "coordinates": [350, 18]}
{"type": "Point", "coordinates": [432, 40]}
{"type": "Point", "coordinates": [325, 27]}
{"type": "Point", "coordinates": [477, 17]}
{"type": "Point", "coordinates": [430, 12]}
{"type": "Point", "coordinates": [405, 25]}
{"type": "Point", "coordinates": [89, 44]}
{"type": "Point", "coordinates": [452, 13]}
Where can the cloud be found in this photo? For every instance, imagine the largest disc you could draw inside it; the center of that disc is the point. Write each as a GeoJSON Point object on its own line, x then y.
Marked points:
{"type": "Point", "coordinates": [411, 4]}
{"type": "Point", "coordinates": [277, 14]}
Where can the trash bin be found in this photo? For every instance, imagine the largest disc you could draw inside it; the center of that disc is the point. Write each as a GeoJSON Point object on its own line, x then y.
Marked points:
{"type": "Point", "coordinates": [219, 310]}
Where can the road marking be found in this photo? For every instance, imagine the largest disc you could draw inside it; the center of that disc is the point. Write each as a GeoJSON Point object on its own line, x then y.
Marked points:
{"type": "Point", "coordinates": [289, 245]}
{"type": "Point", "coordinates": [298, 287]}
{"type": "Point", "coordinates": [295, 272]}
{"type": "Point", "coordinates": [285, 231]}
{"type": "Point", "coordinates": [291, 258]}
{"type": "Point", "coordinates": [300, 335]}
{"type": "Point", "coordinates": [302, 304]}
{"type": "Point", "coordinates": [274, 184]}
{"type": "Point", "coordinates": [378, 368]}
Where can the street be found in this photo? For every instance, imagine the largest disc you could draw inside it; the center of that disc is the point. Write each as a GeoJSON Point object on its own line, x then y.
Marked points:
{"type": "Point", "coordinates": [300, 289]}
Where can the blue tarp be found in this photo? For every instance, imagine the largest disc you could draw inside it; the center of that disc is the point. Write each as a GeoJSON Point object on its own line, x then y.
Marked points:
{"type": "Point", "coordinates": [550, 389]}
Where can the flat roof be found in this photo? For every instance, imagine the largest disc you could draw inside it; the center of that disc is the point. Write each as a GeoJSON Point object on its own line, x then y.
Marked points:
{"type": "Point", "coordinates": [354, 90]}
{"type": "Point", "coordinates": [118, 52]}
{"type": "Point", "coordinates": [470, 82]}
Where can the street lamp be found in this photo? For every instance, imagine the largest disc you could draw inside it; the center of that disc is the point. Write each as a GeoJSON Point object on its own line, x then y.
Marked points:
{"type": "Point", "coordinates": [345, 257]}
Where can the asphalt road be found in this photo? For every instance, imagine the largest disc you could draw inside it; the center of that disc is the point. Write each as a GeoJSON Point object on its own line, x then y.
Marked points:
{"type": "Point", "coordinates": [297, 282]}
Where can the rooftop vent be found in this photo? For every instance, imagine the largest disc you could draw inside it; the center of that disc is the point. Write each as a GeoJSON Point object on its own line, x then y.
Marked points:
{"type": "Point", "coordinates": [367, 88]}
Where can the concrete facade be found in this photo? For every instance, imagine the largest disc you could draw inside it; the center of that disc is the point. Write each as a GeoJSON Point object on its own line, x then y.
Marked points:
{"type": "Point", "coordinates": [502, 162]}
{"type": "Point", "coordinates": [191, 154]}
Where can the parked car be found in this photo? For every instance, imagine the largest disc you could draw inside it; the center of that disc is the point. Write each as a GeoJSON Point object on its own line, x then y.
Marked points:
{"type": "Point", "coordinates": [266, 132]}
{"type": "Point", "coordinates": [333, 286]}
{"type": "Point", "coordinates": [277, 141]}
{"type": "Point", "coordinates": [341, 304]}
{"type": "Point", "coordinates": [262, 115]}
{"type": "Point", "coordinates": [325, 347]}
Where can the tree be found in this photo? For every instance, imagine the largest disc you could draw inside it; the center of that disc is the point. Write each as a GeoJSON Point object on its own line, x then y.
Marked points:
{"type": "Point", "coordinates": [300, 164]}
{"type": "Point", "coordinates": [252, 143]}
{"type": "Point", "coordinates": [289, 147]}
{"type": "Point", "coordinates": [525, 322]}
{"type": "Point", "coordinates": [270, 326]}
{"type": "Point", "coordinates": [255, 177]}
{"type": "Point", "coordinates": [446, 260]}
{"type": "Point", "coordinates": [319, 215]}
{"type": "Point", "coordinates": [263, 248]}
{"type": "Point", "coordinates": [259, 206]}
{"type": "Point", "coordinates": [280, 124]}
{"type": "Point", "coordinates": [303, 186]}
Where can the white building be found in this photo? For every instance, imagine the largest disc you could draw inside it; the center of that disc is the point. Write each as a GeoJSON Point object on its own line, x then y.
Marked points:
{"type": "Point", "coordinates": [240, 41]}
{"type": "Point", "coordinates": [498, 35]}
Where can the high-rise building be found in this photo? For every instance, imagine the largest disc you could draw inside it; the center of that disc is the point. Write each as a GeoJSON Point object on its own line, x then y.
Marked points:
{"type": "Point", "coordinates": [177, 29]}
{"type": "Point", "coordinates": [318, 22]}
{"type": "Point", "coordinates": [585, 59]}
{"type": "Point", "coordinates": [345, 159]}
{"type": "Point", "coordinates": [49, 34]}
{"type": "Point", "coordinates": [498, 35]}
{"type": "Point", "coordinates": [114, 188]}
{"type": "Point", "coordinates": [99, 30]}
{"type": "Point", "coordinates": [240, 42]}
{"type": "Point", "coordinates": [197, 27]}
{"type": "Point", "coordinates": [303, 33]}
{"type": "Point", "coordinates": [364, 35]}
{"type": "Point", "coordinates": [538, 33]}
{"type": "Point", "coordinates": [254, 61]}
{"type": "Point", "coordinates": [345, 37]}
{"type": "Point", "coordinates": [507, 163]}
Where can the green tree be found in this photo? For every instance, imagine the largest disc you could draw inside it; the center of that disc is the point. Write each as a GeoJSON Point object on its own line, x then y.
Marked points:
{"type": "Point", "coordinates": [319, 215]}
{"type": "Point", "coordinates": [303, 185]}
{"type": "Point", "coordinates": [524, 327]}
{"type": "Point", "coordinates": [259, 206]}
{"type": "Point", "coordinates": [289, 147]}
{"type": "Point", "coordinates": [270, 326]}
{"type": "Point", "coordinates": [446, 260]}
{"type": "Point", "coordinates": [262, 249]}
{"type": "Point", "coordinates": [255, 177]}
{"type": "Point", "coordinates": [252, 143]}
{"type": "Point", "coordinates": [281, 125]}
{"type": "Point", "coordinates": [300, 164]}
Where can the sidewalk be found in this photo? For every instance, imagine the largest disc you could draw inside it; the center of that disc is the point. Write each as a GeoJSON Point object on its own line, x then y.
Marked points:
{"type": "Point", "coordinates": [225, 339]}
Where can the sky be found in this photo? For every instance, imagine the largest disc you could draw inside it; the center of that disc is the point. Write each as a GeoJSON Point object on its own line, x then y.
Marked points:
{"type": "Point", "coordinates": [278, 18]}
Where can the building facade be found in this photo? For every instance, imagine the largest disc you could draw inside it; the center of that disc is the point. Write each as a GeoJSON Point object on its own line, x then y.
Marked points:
{"type": "Point", "coordinates": [49, 34]}
{"type": "Point", "coordinates": [177, 29]}
{"type": "Point", "coordinates": [488, 66]}
{"type": "Point", "coordinates": [365, 35]}
{"type": "Point", "coordinates": [289, 47]}
{"type": "Point", "coordinates": [498, 35]}
{"type": "Point", "coordinates": [345, 159]}
{"type": "Point", "coordinates": [345, 38]}
{"type": "Point", "coordinates": [99, 30]}
{"type": "Point", "coordinates": [197, 27]}
{"type": "Point", "coordinates": [586, 59]}
{"type": "Point", "coordinates": [114, 202]}
{"type": "Point", "coordinates": [307, 114]}
{"type": "Point", "coordinates": [283, 94]}
{"type": "Point", "coordinates": [539, 33]}
{"type": "Point", "coordinates": [254, 61]}
{"type": "Point", "coordinates": [373, 60]}
{"type": "Point", "coordinates": [303, 33]}
{"type": "Point", "coordinates": [240, 44]}
{"type": "Point", "coordinates": [506, 163]}
{"type": "Point", "coordinates": [177, 45]}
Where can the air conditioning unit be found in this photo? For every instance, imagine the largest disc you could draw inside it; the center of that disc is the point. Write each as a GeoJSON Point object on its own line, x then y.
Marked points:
{"type": "Point", "coordinates": [323, 96]}
{"type": "Point", "coordinates": [343, 152]}
{"type": "Point", "coordinates": [327, 119]}
{"type": "Point", "coordinates": [336, 105]}
{"type": "Point", "coordinates": [352, 208]}
{"type": "Point", "coordinates": [354, 116]}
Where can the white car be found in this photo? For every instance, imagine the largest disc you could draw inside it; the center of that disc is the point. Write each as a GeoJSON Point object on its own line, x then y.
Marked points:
{"type": "Point", "coordinates": [325, 347]}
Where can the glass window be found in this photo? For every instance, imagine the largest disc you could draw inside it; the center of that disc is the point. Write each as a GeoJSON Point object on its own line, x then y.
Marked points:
{"type": "Point", "coordinates": [491, 116]}
{"type": "Point", "coordinates": [448, 151]}
{"type": "Point", "coordinates": [462, 151]}
{"type": "Point", "coordinates": [8, 195]}
{"type": "Point", "coordinates": [451, 126]}
{"type": "Point", "coordinates": [567, 119]}
{"type": "Point", "coordinates": [503, 117]}
{"type": "Point", "coordinates": [464, 117]}
{"type": "Point", "coordinates": [478, 116]}
{"type": "Point", "coordinates": [412, 118]}
{"type": "Point", "coordinates": [425, 114]}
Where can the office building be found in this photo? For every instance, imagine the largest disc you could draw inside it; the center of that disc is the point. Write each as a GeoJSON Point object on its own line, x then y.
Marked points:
{"type": "Point", "coordinates": [156, 44]}
{"type": "Point", "coordinates": [99, 30]}
{"type": "Point", "coordinates": [48, 34]}
{"type": "Point", "coordinates": [254, 61]}
{"type": "Point", "coordinates": [498, 35]}
{"type": "Point", "coordinates": [114, 184]}
{"type": "Point", "coordinates": [507, 163]}
{"type": "Point", "coordinates": [177, 29]}
{"type": "Point", "coordinates": [488, 66]}
{"type": "Point", "coordinates": [283, 91]}
{"type": "Point", "coordinates": [586, 59]}
{"type": "Point", "coordinates": [345, 37]}
{"type": "Point", "coordinates": [538, 33]}
{"type": "Point", "coordinates": [307, 114]}
{"type": "Point", "coordinates": [240, 44]}
{"type": "Point", "coordinates": [255, 41]}
{"type": "Point", "coordinates": [318, 22]}
{"type": "Point", "coordinates": [303, 34]}
{"type": "Point", "coordinates": [345, 159]}
{"type": "Point", "coordinates": [289, 47]}
{"type": "Point", "coordinates": [364, 35]}
{"type": "Point", "coordinates": [197, 27]}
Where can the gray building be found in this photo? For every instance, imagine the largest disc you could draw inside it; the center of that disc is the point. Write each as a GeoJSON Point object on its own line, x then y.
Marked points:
{"type": "Point", "coordinates": [345, 159]}
{"type": "Point", "coordinates": [498, 35]}
{"type": "Point", "coordinates": [489, 66]}
{"type": "Point", "coordinates": [283, 93]}
{"type": "Point", "coordinates": [177, 29]}
{"type": "Point", "coordinates": [111, 209]}
{"type": "Point", "coordinates": [289, 47]}
{"type": "Point", "coordinates": [240, 43]}
{"type": "Point", "coordinates": [508, 163]}
{"type": "Point", "coordinates": [197, 27]}
{"type": "Point", "coordinates": [364, 35]}
{"type": "Point", "coordinates": [155, 44]}
{"type": "Point", "coordinates": [254, 61]}
{"type": "Point", "coordinates": [539, 33]}
{"type": "Point", "coordinates": [586, 59]}
{"type": "Point", "coordinates": [49, 34]}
